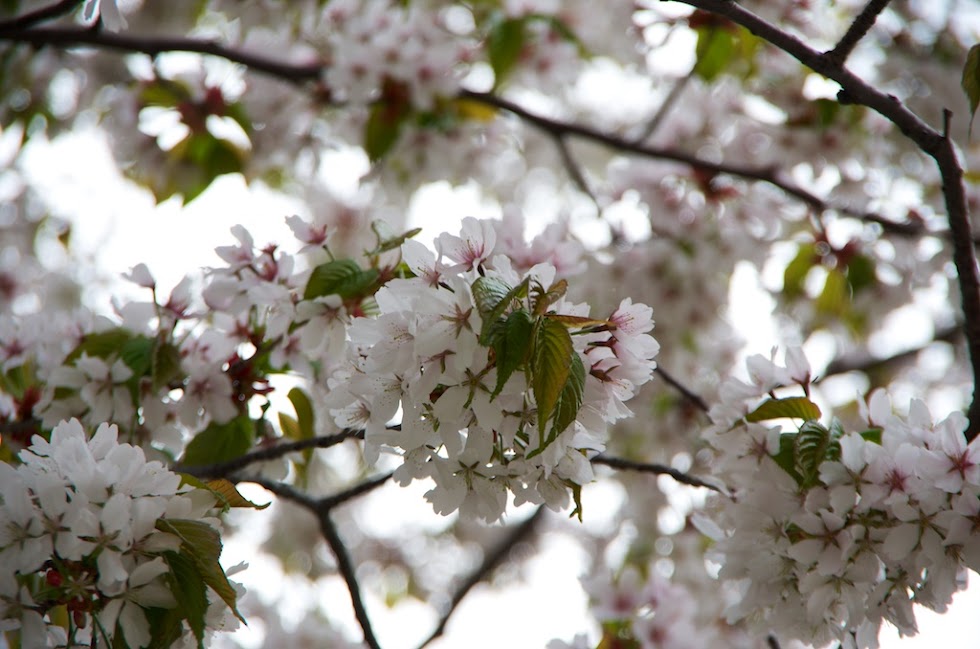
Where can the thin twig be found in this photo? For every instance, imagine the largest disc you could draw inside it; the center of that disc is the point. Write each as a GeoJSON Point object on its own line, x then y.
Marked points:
{"type": "Point", "coordinates": [155, 45]}
{"type": "Point", "coordinates": [490, 563]}
{"type": "Point", "coordinates": [657, 469]}
{"type": "Point", "coordinates": [686, 392]}
{"type": "Point", "coordinates": [40, 15]}
{"type": "Point", "coordinates": [329, 530]}
{"type": "Point", "coordinates": [762, 174]}
{"type": "Point", "coordinates": [223, 469]}
{"type": "Point", "coordinates": [668, 103]}
{"type": "Point", "coordinates": [575, 171]}
{"type": "Point", "coordinates": [933, 143]}
{"type": "Point", "coordinates": [328, 503]}
{"type": "Point", "coordinates": [858, 29]}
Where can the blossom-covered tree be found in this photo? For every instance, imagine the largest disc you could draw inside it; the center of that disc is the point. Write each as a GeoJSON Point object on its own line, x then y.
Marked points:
{"type": "Point", "coordinates": [638, 157]}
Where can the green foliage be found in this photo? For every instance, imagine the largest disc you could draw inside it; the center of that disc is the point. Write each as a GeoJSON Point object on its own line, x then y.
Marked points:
{"type": "Point", "coordinates": [789, 407]}
{"type": "Point", "coordinates": [511, 346]}
{"type": "Point", "coordinates": [343, 277]}
{"type": "Point", "coordinates": [971, 81]}
{"type": "Point", "coordinates": [505, 42]}
{"type": "Point", "coordinates": [815, 444]}
{"type": "Point", "coordinates": [794, 276]}
{"type": "Point", "coordinates": [724, 48]}
{"type": "Point", "coordinates": [493, 297]}
{"type": "Point", "coordinates": [384, 126]}
{"type": "Point", "coordinates": [190, 591]}
{"type": "Point", "coordinates": [220, 442]}
{"type": "Point", "coordinates": [551, 362]}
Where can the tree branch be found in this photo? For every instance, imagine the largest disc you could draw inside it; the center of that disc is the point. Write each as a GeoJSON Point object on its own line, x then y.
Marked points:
{"type": "Point", "coordinates": [868, 363]}
{"type": "Point", "coordinates": [768, 175]}
{"type": "Point", "coordinates": [328, 503]}
{"type": "Point", "coordinates": [40, 15]}
{"type": "Point", "coordinates": [686, 392]}
{"type": "Point", "coordinates": [329, 530]}
{"type": "Point", "coordinates": [224, 469]}
{"type": "Point", "coordinates": [936, 145]}
{"type": "Point", "coordinates": [657, 469]}
{"type": "Point", "coordinates": [155, 45]}
{"type": "Point", "coordinates": [490, 563]}
{"type": "Point", "coordinates": [858, 29]}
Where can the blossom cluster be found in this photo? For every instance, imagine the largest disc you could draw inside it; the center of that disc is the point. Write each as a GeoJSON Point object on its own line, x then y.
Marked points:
{"type": "Point", "coordinates": [503, 385]}
{"type": "Point", "coordinates": [96, 542]}
{"type": "Point", "coordinates": [829, 533]}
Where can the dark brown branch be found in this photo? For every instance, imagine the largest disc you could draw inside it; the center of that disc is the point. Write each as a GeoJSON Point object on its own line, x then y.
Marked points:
{"type": "Point", "coordinates": [657, 469]}
{"type": "Point", "coordinates": [328, 503]}
{"type": "Point", "coordinates": [557, 128]}
{"type": "Point", "coordinates": [933, 143]}
{"type": "Point", "coordinates": [155, 45]}
{"type": "Point", "coordinates": [490, 563]}
{"type": "Point", "coordinates": [224, 469]}
{"type": "Point", "coordinates": [40, 15]}
{"type": "Point", "coordinates": [858, 29]}
{"type": "Point", "coordinates": [329, 530]}
{"type": "Point", "coordinates": [686, 392]}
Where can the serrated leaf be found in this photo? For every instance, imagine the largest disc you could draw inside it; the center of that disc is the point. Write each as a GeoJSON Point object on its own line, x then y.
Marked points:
{"type": "Point", "coordinates": [166, 365]}
{"type": "Point", "coordinates": [395, 242]}
{"type": "Point", "coordinates": [786, 457]}
{"type": "Point", "coordinates": [576, 321]}
{"type": "Point", "coordinates": [228, 494]}
{"type": "Point", "coordinates": [335, 277]}
{"type": "Point", "coordinates": [202, 544]}
{"type": "Point", "coordinates": [384, 127]}
{"type": "Point", "coordinates": [220, 442]}
{"type": "Point", "coordinates": [511, 345]}
{"type": "Point", "coordinates": [190, 591]}
{"type": "Point", "coordinates": [815, 444]}
{"type": "Point", "coordinates": [505, 42]}
{"type": "Point", "coordinates": [796, 271]}
{"type": "Point", "coordinates": [789, 407]}
{"type": "Point", "coordinates": [970, 82]}
{"type": "Point", "coordinates": [551, 360]}
{"type": "Point", "coordinates": [554, 293]}
{"type": "Point", "coordinates": [492, 298]}
{"type": "Point", "coordinates": [166, 627]}
{"type": "Point", "coordinates": [570, 400]}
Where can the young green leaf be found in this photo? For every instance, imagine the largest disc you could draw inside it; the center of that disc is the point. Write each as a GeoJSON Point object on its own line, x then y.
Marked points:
{"type": "Point", "coordinates": [511, 345]}
{"type": "Point", "coordinates": [796, 271]}
{"type": "Point", "coordinates": [202, 544]}
{"type": "Point", "coordinates": [786, 457]}
{"type": "Point", "coordinates": [220, 442]}
{"type": "Point", "coordinates": [189, 590]}
{"type": "Point", "coordinates": [492, 297]}
{"type": "Point", "coordinates": [304, 412]}
{"type": "Point", "coordinates": [815, 444]}
{"type": "Point", "coordinates": [570, 399]}
{"type": "Point", "coordinates": [228, 494]}
{"type": "Point", "coordinates": [102, 344]}
{"type": "Point", "coordinates": [383, 127]}
{"type": "Point", "coordinates": [504, 45]}
{"type": "Point", "coordinates": [343, 277]}
{"type": "Point", "coordinates": [165, 367]}
{"type": "Point", "coordinates": [971, 82]}
{"type": "Point", "coordinates": [551, 360]}
{"type": "Point", "coordinates": [790, 407]}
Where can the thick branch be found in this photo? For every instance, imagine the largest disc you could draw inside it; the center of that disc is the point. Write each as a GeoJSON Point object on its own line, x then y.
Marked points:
{"type": "Point", "coordinates": [224, 469]}
{"type": "Point", "coordinates": [40, 15]}
{"type": "Point", "coordinates": [154, 45]}
{"type": "Point", "coordinates": [858, 29]}
{"type": "Point", "coordinates": [657, 469]}
{"type": "Point", "coordinates": [490, 563]}
{"type": "Point", "coordinates": [933, 143]}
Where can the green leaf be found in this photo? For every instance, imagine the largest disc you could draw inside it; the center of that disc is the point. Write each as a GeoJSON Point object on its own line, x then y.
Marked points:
{"type": "Point", "coordinates": [570, 400]}
{"type": "Point", "coordinates": [790, 407]}
{"type": "Point", "coordinates": [833, 299]}
{"type": "Point", "coordinates": [202, 544]}
{"type": "Point", "coordinates": [814, 445]}
{"type": "Point", "coordinates": [505, 42]}
{"type": "Point", "coordinates": [102, 345]}
{"type": "Point", "coordinates": [166, 626]}
{"type": "Point", "coordinates": [228, 494]}
{"type": "Point", "coordinates": [220, 442]}
{"type": "Point", "coordinates": [166, 365]}
{"type": "Point", "coordinates": [715, 51]}
{"type": "Point", "coordinates": [511, 345]}
{"type": "Point", "coordinates": [383, 128]}
{"type": "Point", "coordinates": [304, 412]}
{"type": "Point", "coordinates": [546, 298]}
{"type": "Point", "coordinates": [971, 82]}
{"type": "Point", "coordinates": [396, 242]}
{"type": "Point", "coordinates": [860, 272]}
{"type": "Point", "coordinates": [577, 499]}
{"type": "Point", "coordinates": [492, 297]}
{"type": "Point", "coordinates": [289, 426]}
{"type": "Point", "coordinates": [786, 457]}
{"type": "Point", "coordinates": [137, 353]}
{"type": "Point", "coordinates": [190, 591]}
{"type": "Point", "coordinates": [343, 277]}
{"type": "Point", "coordinates": [796, 271]}
{"type": "Point", "coordinates": [551, 360]}
{"type": "Point", "coordinates": [576, 321]}
{"type": "Point", "coordinates": [872, 435]}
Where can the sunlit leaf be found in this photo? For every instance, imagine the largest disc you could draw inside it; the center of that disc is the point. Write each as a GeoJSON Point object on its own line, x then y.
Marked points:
{"type": "Point", "coordinates": [220, 442]}
{"type": "Point", "coordinates": [551, 355]}
{"type": "Point", "coordinates": [228, 494]}
{"type": "Point", "coordinates": [789, 407]}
